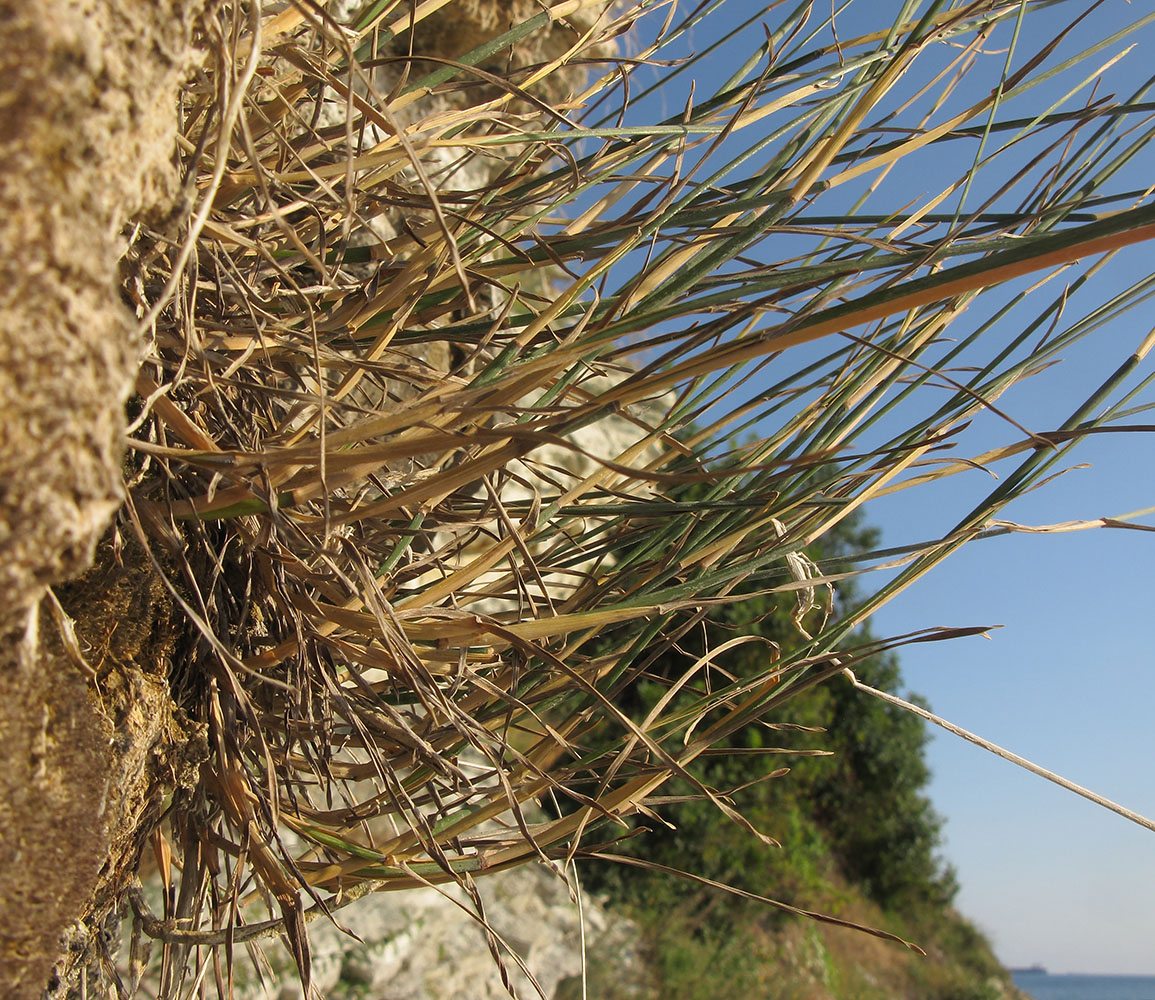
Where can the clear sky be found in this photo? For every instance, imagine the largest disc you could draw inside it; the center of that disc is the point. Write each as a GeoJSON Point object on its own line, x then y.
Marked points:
{"type": "Point", "coordinates": [1069, 681]}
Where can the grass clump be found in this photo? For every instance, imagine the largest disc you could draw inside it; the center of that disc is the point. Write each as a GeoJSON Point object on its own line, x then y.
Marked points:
{"type": "Point", "coordinates": [414, 593]}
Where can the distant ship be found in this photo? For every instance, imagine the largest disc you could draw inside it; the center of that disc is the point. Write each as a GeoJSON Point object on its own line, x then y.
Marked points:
{"type": "Point", "coordinates": [1030, 970]}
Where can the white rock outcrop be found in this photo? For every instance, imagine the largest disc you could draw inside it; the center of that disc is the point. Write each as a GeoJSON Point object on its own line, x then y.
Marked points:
{"type": "Point", "coordinates": [424, 944]}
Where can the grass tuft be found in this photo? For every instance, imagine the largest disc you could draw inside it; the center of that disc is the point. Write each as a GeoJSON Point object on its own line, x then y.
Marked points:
{"type": "Point", "coordinates": [480, 377]}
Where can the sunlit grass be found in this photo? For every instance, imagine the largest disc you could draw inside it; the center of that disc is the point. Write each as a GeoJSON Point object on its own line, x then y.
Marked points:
{"type": "Point", "coordinates": [417, 591]}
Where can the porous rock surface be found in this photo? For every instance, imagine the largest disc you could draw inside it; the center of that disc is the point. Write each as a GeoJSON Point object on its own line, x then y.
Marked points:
{"type": "Point", "coordinates": [87, 129]}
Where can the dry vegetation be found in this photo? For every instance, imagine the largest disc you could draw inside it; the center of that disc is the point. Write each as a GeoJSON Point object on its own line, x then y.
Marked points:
{"type": "Point", "coordinates": [425, 252]}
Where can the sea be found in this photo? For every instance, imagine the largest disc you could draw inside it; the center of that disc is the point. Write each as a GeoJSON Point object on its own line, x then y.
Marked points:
{"type": "Point", "coordinates": [1043, 986]}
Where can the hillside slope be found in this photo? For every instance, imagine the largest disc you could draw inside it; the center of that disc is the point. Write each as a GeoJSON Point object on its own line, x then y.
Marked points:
{"type": "Point", "coordinates": [839, 781]}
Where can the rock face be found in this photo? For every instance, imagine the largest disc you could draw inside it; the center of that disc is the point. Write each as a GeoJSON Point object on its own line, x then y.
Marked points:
{"type": "Point", "coordinates": [424, 945]}
{"type": "Point", "coordinates": [87, 129]}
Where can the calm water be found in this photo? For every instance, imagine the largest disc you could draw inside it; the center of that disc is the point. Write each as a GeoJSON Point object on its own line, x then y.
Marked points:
{"type": "Point", "coordinates": [1046, 987]}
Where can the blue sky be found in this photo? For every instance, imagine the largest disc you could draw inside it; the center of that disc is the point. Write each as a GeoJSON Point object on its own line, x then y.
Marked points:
{"type": "Point", "coordinates": [1069, 680]}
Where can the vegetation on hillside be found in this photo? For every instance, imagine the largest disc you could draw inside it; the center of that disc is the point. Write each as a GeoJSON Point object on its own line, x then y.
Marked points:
{"type": "Point", "coordinates": [855, 781]}
{"type": "Point", "coordinates": [399, 618]}
{"type": "Point", "coordinates": [856, 834]}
